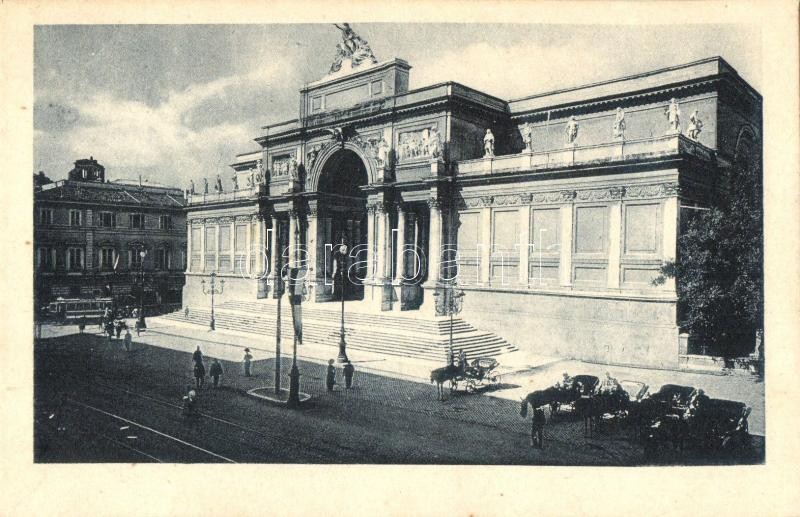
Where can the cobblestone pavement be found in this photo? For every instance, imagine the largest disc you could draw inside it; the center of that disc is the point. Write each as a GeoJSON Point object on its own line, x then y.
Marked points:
{"type": "Point", "coordinates": [400, 420]}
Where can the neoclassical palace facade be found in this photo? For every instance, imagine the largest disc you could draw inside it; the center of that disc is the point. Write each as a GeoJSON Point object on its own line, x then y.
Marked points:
{"type": "Point", "coordinates": [553, 212]}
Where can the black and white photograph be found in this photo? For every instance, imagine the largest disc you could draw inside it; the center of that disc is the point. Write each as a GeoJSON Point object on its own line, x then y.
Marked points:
{"type": "Point", "coordinates": [367, 243]}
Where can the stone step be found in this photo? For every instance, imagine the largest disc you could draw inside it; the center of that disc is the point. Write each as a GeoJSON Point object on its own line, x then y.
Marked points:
{"type": "Point", "coordinates": [410, 335]}
{"type": "Point", "coordinates": [321, 312]}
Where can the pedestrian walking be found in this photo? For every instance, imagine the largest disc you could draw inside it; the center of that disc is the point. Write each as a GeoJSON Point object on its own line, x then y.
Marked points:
{"type": "Point", "coordinates": [215, 371]}
{"type": "Point", "coordinates": [199, 374]}
{"type": "Point", "coordinates": [197, 356]}
{"type": "Point", "coordinates": [82, 324]}
{"type": "Point", "coordinates": [118, 328]}
{"type": "Point", "coordinates": [537, 428]}
{"type": "Point", "coordinates": [128, 340]}
{"type": "Point", "coordinates": [248, 358]}
{"type": "Point", "coordinates": [348, 371]}
{"type": "Point", "coordinates": [110, 330]}
{"type": "Point", "coordinates": [186, 312]}
{"type": "Point", "coordinates": [330, 379]}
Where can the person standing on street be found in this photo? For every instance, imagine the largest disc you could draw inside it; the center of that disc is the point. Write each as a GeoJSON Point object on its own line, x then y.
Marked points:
{"type": "Point", "coordinates": [199, 374]}
{"type": "Point", "coordinates": [215, 371]}
{"type": "Point", "coordinates": [128, 340]}
{"type": "Point", "coordinates": [248, 358]}
{"type": "Point", "coordinates": [330, 379]}
{"type": "Point", "coordinates": [537, 428]}
{"type": "Point", "coordinates": [348, 371]}
{"type": "Point", "coordinates": [197, 356]}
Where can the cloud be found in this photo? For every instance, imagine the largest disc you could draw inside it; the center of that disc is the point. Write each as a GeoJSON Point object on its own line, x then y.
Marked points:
{"type": "Point", "coordinates": [512, 71]}
{"type": "Point", "coordinates": [192, 133]}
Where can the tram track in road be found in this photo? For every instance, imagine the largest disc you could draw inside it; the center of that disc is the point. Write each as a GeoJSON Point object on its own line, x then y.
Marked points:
{"type": "Point", "coordinates": [265, 438]}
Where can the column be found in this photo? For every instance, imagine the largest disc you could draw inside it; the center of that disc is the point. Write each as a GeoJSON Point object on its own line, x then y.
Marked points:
{"type": "Point", "coordinates": [614, 243]}
{"type": "Point", "coordinates": [398, 247]}
{"type": "Point", "coordinates": [233, 243]}
{"type": "Point", "coordinates": [216, 250]}
{"type": "Point", "coordinates": [434, 241]}
{"type": "Point", "coordinates": [486, 249]}
{"type": "Point", "coordinates": [262, 245]}
{"type": "Point", "coordinates": [189, 246]}
{"type": "Point", "coordinates": [381, 239]}
{"type": "Point", "coordinates": [565, 258]}
{"type": "Point", "coordinates": [670, 234]}
{"type": "Point", "coordinates": [252, 222]}
{"type": "Point", "coordinates": [525, 237]}
{"type": "Point", "coordinates": [273, 247]}
{"type": "Point", "coordinates": [292, 237]}
{"type": "Point", "coordinates": [311, 246]}
{"type": "Point", "coordinates": [203, 247]}
{"type": "Point", "coordinates": [370, 242]}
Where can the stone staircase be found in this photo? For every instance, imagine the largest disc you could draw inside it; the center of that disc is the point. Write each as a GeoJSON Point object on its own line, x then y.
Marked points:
{"type": "Point", "coordinates": [405, 335]}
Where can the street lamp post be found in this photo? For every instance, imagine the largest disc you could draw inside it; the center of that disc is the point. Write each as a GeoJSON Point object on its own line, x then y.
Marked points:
{"type": "Point", "coordinates": [449, 303]}
{"type": "Point", "coordinates": [214, 288]}
{"type": "Point", "coordinates": [342, 252]}
{"type": "Point", "coordinates": [280, 292]}
{"type": "Point", "coordinates": [294, 373]}
{"type": "Point", "coordinates": [141, 323]}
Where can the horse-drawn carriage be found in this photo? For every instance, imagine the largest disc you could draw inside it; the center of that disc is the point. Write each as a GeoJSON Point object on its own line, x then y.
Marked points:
{"type": "Point", "coordinates": [476, 375]}
{"type": "Point", "coordinates": [686, 418]}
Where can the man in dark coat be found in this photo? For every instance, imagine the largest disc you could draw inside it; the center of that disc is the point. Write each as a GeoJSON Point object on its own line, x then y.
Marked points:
{"type": "Point", "coordinates": [537, 427]}
{"type": "Point", "coordinates": [330, 380]}
{"type": "Point", "coordinates": [215, 371]}
{"type": "Point", "coordinates": [348, 371]}
{"type": "Point", "coordinates": [197, 356]}
{"type": "Point", "coordinates": [199, 374]}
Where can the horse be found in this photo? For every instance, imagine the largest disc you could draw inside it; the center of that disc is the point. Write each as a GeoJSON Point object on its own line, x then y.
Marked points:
{"type": "Point", "coordinates": [593, 407]}
{"type": "Point", "coordinates": [442, 375]}
{"type": "Point", "coordinates": [539, 398]}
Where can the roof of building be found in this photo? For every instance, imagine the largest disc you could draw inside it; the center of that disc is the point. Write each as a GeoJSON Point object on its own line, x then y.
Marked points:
{"type": "Point", "coordinates": [112, 193]}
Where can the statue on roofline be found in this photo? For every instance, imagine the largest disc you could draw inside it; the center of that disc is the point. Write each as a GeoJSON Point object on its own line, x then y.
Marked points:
{"type": "Point", "coordinates": [353, 46]}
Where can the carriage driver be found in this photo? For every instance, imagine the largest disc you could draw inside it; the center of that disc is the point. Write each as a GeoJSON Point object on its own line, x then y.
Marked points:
{"type": "Point", "coordinates": [566, 382]}
{"type": "Point", "coordinates": [610, 384]}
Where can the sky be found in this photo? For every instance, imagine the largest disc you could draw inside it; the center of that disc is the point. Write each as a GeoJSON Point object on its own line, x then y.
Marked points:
{"type": "Point", "coordinates": [178, 102]}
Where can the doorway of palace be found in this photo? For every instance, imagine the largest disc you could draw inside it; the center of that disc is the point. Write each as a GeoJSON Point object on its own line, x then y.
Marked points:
{"type": "Point", "coordinates": [343, 208]}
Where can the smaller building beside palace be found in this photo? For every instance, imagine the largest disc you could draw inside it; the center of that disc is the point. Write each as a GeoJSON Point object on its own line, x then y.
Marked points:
{"type": "Point", "coordinates": [90, 235]}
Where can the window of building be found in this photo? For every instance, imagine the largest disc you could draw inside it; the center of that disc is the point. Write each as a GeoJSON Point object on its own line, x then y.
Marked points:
{"type": "Point", "coordinates": [75, 259]}
{"type": "Point", "coordinates": [162, 258]}
{"type": "Point", "coordinates": [74, 217]}
{"type": "Point", "coordinates": [135, 259]}
{"type": "Point", "coordinates": [107, 219]}
{"type": "Point", "coordinates": [45, 216]}
{"type": "Point", "coordinates": [107, 258]}
{"type": "Point", "coordinates": [165, 222]}
{"type": "Point", "coordinates": [44, 259]}
{"type": "Point", "coordinates": [137, 220]}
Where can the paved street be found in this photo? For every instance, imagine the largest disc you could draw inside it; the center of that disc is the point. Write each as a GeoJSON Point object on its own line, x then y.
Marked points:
{"type": "Point", "coordinates": [96, 402]}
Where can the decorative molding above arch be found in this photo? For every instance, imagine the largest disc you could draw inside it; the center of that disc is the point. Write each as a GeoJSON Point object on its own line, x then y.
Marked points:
{"type": "Point", "coordinates": [370, 164]}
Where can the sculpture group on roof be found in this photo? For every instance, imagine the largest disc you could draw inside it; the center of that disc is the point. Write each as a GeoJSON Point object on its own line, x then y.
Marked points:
{"type": "Point", "coordinates": [352, 47]}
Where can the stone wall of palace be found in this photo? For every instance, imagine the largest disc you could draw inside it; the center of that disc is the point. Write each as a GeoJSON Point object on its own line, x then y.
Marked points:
{"type": "Point", "coordinates": [592, 327]}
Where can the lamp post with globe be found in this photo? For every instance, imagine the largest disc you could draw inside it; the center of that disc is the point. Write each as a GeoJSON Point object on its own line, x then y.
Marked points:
{"type": "Point", "coordinates": [341, 252]}
{"type": "Point", "coordinates": [213, 288]}
{"type": "Point", "coordinates": [141, 323]}
{"type": "Point", "coordinates": [449, 302]}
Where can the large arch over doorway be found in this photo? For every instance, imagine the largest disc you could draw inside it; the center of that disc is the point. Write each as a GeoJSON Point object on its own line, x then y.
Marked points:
{"type": "Point", "coordinates": [342, 205]}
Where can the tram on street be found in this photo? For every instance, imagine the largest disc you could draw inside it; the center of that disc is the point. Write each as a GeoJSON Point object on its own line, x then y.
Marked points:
{"type": "Point", "coordinates": [72, 309]}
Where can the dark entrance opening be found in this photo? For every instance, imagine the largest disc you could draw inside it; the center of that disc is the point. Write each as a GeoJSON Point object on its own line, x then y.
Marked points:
{"type": "Point", "coordinates": [344, 207]}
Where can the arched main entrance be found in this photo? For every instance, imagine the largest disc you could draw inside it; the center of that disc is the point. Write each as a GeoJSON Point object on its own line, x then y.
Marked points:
{"type": "Point", "coordinates": [342, 206]}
